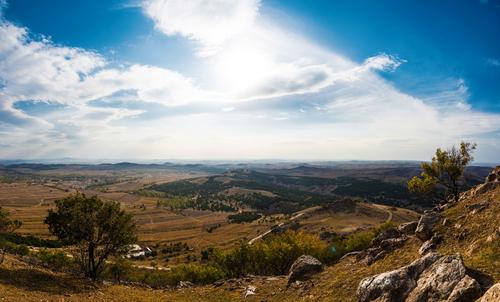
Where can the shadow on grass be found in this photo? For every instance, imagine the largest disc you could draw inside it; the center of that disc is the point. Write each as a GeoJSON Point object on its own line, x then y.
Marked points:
{"type": "Point", "coordinates": [35, 280]}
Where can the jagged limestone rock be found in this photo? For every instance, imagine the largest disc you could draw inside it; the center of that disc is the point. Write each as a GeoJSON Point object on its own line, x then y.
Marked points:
{"type": "Point", "coordinates": [430, 278]}
{"type": "Point", "coordinates": [425, 226]}
{"type": "Point", "coordinates": [429, 245]}
{"type": "Point", "coordinates": [408, 228]}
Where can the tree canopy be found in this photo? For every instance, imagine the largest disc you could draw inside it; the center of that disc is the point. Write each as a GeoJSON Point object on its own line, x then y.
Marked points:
{"type": "Point", "coordinates": [95, 228]}
{"type": "Point", "coordinates": [445, 170]}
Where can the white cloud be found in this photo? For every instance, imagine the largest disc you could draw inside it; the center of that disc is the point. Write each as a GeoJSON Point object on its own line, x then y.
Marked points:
{"type": "Point", "coordinates": [383, 62]}
{"type": "Point", "coordinates": [210, 22]}
{"type": "Point", "coordinates": [41, 71]}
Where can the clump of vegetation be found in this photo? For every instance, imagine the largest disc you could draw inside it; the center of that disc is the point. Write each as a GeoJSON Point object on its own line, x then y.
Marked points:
{"type": "Point", "coordinates": [243, 217]}
{"type": "Point", "coordinates": [272, 256]}
{"type": "Point", "coordinates": [446, 171]}
{"type": "Point", "coordinates": [7, 226]}
{"type": "Point", "coordinates": [119, 270]}
{"type": "Point", "coordinates": [55, 260]}
{"type": "Point", "coordinates": [341, 245]}
{"type": "Point", "coordinates": [96, 229]}
{"type": "Point", "coordinates": [30, 240]}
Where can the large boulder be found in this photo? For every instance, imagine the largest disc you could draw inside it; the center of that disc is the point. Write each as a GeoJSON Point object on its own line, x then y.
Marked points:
{"type": "Point", "coordinates": [492, 295]}
{"type": "Point", "coordinates": [394, 286]}
{"type": "Point", "coordinates": [430, 278]}
{"type": "Point", "coordinates": [408, 228]}
{"type": "Point", "coordinates": [425, 225]}
{"type": "Point", "coordinates": [303, 268]}
{"type": "Point", "coordinates": [440, 279]}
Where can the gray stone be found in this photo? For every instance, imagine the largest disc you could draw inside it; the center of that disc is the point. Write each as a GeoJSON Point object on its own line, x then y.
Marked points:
{"type": "Point", "coordinates": [408, 228]}
{"type": "Point", "coordinates": [430, 278]}
{"type": "Point", "coordinates": [303, 268]}
{"type": "Point", "coordinates": [429, 245]}
{"type": "Point", "coordinates": [425, 225]}
{"type": "Point", "coordinates": [466, 290]}
{"type": "Point", "coordinates": [386, 234]}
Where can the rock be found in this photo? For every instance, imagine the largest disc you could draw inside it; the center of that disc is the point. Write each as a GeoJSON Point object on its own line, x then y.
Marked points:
{"type": "Point", "coordinates": [184, 284]}
{"type": "Point", "coordinates": [408, 228]}
{"type": "Point", "coordinates": [303, 268]}
{"type": "Point", "coordinates": [494, 175]}
{"type": "Point", "coordinates": [250, 291]}
{"type": "Point", "coordinates": [438, 280]}
{"type": "Point", "coordinates": [466, 290]}
{"type": "Point", "coordinates": [492, 295]}
{"type": "Point", "coordinates": [430, 278]}
{"type": "Point", "coordinates": [392, 243]}
{"type": "Point", "coordinates": [429, 245]}
{"type": "Point", "coordinates": [394, 285]}
{"type": "Point", "coordinates": [425, 225]}
{"type": "Point", "coordinates": [386, 234]}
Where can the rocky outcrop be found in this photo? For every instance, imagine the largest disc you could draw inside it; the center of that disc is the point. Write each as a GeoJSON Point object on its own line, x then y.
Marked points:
{"type": "Point", "coordinates": [492, 295]}
{"type": "Point", "coordinates": [492, 181]}
{"type": "Point", "coordinates": [386, 242]}
{"type": "Point", "coordinates": [430, 244]}
{"type": "Point", "coordinates": [425, 225]}
{"type": "Point", "coordinates": [430, 278]}
{"type": "Point", "coordinates": [494, 175]}
{"type": "Point", "coordinates": [386, 234]}
{"type": "Point", "coordinates": [408, 228]}
{"type": "Point", "coordinates": [303, 268]}
{"type": "Point", "coordinates": [394, 285]}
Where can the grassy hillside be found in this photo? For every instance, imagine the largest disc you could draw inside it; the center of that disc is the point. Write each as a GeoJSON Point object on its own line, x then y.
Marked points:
{"type": "Point", "coordinates": [469, 228]}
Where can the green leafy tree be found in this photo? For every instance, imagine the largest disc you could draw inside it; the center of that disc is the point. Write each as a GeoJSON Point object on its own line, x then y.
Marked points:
{"type": "Point", "coordinates": [446, 171]}
{"type": "Point", "coordinates": [95, 228]}
{"type": "Point", "coordinates": [7, 225]}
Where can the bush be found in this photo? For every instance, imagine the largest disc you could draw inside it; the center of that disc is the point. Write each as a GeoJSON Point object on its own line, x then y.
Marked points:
{"type": "Point", "coordinates": [57, 261]}
{"type": "Point", "coordinates": [17, 249]}
{"type": "Point", "coordinates": [202, 274]}
{"type": "Point", "coordinates": [272, 256]}
{"type": "Point", "coordinates": [30, 240]}
{"type": "Point", "coordinates": [342, 245]}
{"type": "Point", "coordinates": [244, 217]}
{"type": "Point", "coordinates": [119, 270]}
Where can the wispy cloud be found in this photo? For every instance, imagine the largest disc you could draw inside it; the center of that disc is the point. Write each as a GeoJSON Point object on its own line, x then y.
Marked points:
{"type": "Point", "coordinates": [493, 62]}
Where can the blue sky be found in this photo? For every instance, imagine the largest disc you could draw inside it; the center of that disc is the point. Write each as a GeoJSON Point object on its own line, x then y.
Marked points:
{"type": "Point", "coordinates": [248, 79]}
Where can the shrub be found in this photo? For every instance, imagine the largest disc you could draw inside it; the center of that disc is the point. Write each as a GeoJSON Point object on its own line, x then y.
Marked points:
{"type": "Point", "coordinates": [243, 217]}
{"type": "Point", "coordinates": [119, 270]}
{"type": "Point", "coordinates": [57, 260]}
{"type": "Point", "coordinates": [272, 256]}
{"type": "Point", "coordinates": [195, 273]}
{"type": "Point", "coordinates": [342, 245]}
{"type": "Point", "coordinates": [30, 240]}
{"type": "Point", "coordinates": [18, 249]}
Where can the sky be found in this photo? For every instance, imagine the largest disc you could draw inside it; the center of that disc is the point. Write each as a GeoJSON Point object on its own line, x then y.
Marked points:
{"type": "Point", "coordinates": [248, 79]}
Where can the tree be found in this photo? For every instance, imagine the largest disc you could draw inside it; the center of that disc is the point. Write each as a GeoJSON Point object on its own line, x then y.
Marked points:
{"type": "Point", "coordinates": [95, 228]}
{"type": "Point", "coordinates": [446, 171]}
{"type": "Point", "coordinates": [7, 225]}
